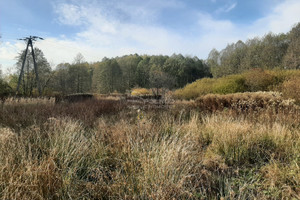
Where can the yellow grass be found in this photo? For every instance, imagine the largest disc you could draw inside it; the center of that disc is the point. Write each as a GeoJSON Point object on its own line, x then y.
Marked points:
{"type": "Point", "coordinates": [174, 154]}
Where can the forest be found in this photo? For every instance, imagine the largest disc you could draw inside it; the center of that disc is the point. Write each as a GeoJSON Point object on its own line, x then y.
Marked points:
{"type": "Point", "coordinates": [121, 74]}
{"type": "Point", "coordinates": [118, 74]}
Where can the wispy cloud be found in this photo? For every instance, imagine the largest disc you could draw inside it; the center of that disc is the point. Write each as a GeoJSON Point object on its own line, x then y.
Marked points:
{"type": "Point", "coordinates": [9, 51]}
{"type": "Point", "coordinates": [281, 19]}
{"type": "Point", "coordinates": [72, 14]}
{"type": "Point", "coordinates": [106, 35]}
{"type": "Point", "coordinates": [218, 33]}
{"type": "Point", "coordinates": [226, 8]}
{"type": "Point", "coordinates": [128, 28]}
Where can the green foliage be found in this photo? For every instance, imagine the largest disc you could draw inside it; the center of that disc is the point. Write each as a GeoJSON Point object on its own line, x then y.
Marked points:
{"type": "Point", "coordinates": [185, 69]}
{"type": "Point", "coordinates": [142, 72]}
{"type": "Point", "coordinates": [72, 78]}
{"type": "Point", "coordinates": [107, 77]}
{"type": "Point", "coordinates": [272, 51]}
{"type": "Point", "coordinates": [249, 81]}
{"type": "Point", "coordinates": [196, 89]}
{"type": "Point", "coordinates": [128, 65]}
{"type": "Point", "coordinates": [292, 59]}
{"type": "Point", "coordinates": [224, 85]}
{"type": "Point", "coordinates": [5, 89]}
{"type": "Point", "coordinates": [229, 84]}
{"type": "Point", "coordinates": [149, 71]}
{"type": "Point", "coordinates": [29, 84]}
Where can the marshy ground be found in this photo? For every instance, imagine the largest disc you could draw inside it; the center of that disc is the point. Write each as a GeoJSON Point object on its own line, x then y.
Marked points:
{"type": "Point", "coordinates": [106, 149]}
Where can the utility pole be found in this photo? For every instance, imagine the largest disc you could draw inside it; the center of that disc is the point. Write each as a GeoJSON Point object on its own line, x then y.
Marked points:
{"type": "Point", "coordinates": [29, 41]}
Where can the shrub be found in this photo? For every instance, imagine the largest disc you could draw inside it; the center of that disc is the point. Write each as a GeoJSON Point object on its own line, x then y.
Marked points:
{"type": "Point", "coordinates": [258, 80]}
{"type": "Point", "coordinates": [244, 102]}
{"type": "Point", "coordinates": [229, 84]}
{"type": "Point", "coordinates": [196, 89]}
{"type": "Point", "coordinates": [140, 91]}
{"type": "Point", "coordinates": [291, 88]}
{"type": "Point", "coordinates": [250, 81]}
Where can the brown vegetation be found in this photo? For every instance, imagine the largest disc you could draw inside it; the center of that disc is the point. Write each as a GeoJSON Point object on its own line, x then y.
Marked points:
{"type": "Point", "coordinates": [291, 88]}
{"type": "Point", "coordinates": [103, 150]}
{"type": "Point", "coordinates": [255, 80]}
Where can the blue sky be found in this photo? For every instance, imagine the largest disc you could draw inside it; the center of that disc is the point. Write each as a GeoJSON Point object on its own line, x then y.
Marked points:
{"type": "Point", "coordinates": [98, 28]}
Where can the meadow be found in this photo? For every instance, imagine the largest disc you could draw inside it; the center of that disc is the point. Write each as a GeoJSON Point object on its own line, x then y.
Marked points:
{"type": "Point", "coordinates": [110, 149]}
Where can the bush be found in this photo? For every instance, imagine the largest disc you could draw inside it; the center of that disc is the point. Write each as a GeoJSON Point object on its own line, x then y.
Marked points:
{"type": "Point", "coordinates": [195, 89]}
{"type": "Point", "coordinates": [224, 85]}
{"type": "Point", "coordinates": [258, 80]}
{"type": "Point", "coordinates": [252, 81]}
{"type": "Point", "coordinates": [291, 88]}
{"type": "Point", "coordinates": [229, 84]}
{"type": "Point", "coordinates": [5, 89]}
{"type": "Point", "coordinates": [244, 102]}
{"type": "Point", "coordinates": [140, 92]}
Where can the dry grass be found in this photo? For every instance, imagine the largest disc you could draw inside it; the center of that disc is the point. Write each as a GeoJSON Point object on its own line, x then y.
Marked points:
{"type": "Point", "coordinates": [140, 92]}
{"type": "Point", "coordinates": [246, 102]}
{"type": "Point", "coordinates": [22, 115]}
{"type": "Point", "coordinates": [26, 101]}
{"type": "Point", "coordinates": [291, 88]}
{"type": "Point", "coordinates": [153, 154]}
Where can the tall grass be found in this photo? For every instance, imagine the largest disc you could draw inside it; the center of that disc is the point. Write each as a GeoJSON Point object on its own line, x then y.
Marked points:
{"type": "Point", "coordinates": [153, 154]}
{"type": "Point", "coordinates": [27, 113]}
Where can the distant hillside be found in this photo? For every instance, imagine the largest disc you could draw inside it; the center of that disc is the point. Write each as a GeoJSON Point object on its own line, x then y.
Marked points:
{"type": "Point", "coordinates": [280, 51]}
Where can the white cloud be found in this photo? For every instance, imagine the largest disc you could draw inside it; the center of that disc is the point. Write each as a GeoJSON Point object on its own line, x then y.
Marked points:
{"type": "Point", "coordinates": [133, 30]}
{"type": "Point", "coordinates": [70, 14]}
{"type": "Point", "coordinates": [281, 19]}
{"type": "Point", "coordinates": [226, 8]}
{"type": "Point", "coordinates": [230, 7]}
{"type": "Point", "coordinates": [8, 53]}
{"type": "Point", "coordinates": [218, 33]}
{"type": "Point", "coordinates": [107, 36]}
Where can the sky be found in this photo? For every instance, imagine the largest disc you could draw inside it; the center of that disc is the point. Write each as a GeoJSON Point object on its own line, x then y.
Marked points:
{"type": "Point", "coordinates": [110, 28]}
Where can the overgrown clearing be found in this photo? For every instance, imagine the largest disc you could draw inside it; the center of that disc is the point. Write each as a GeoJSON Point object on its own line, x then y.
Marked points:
{"type": "Point", "coordinates": [105, 149]}
{"type": "Point", "coordinates": [286, 82]}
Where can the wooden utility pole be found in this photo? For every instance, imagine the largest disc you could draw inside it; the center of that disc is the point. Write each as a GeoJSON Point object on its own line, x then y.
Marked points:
{"type": "Point", "coordinates": [29, 41]}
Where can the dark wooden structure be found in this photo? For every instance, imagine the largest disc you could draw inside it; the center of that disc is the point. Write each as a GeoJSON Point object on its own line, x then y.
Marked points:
{"type": "Point", "coordinates": [73, 98]}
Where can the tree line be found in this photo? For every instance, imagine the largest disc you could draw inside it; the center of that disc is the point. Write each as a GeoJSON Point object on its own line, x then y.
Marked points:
{"type": "Point", "coordinates": [110, 75]}
{"type": "Point", "coordinates": [280, 51]}
{"type": "Point", "coordinates": [121, 74]}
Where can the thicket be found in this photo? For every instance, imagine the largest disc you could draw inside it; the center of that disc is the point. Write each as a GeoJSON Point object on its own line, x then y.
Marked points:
{"type": "Point", "coordinates": [153, 154]}
{"type": "Point", "coordinates": [285, 81]}
{"type": "Point", "coordinates": [251, 102]}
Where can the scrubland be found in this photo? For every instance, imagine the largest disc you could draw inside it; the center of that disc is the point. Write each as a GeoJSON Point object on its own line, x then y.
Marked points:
{"type": "Point", "coordinates": [286, 82]}
{"type": "Point", "coordinates": [107, 149]}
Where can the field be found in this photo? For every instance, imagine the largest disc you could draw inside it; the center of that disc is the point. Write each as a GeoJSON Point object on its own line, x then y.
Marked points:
{"type": "Point", "coordinates": [110, 149]}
